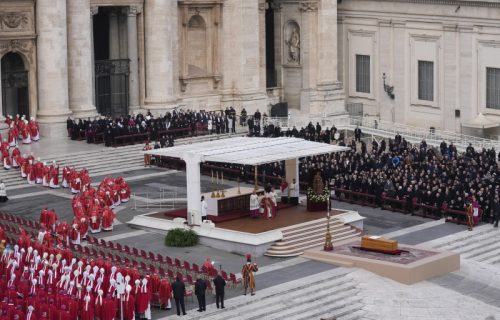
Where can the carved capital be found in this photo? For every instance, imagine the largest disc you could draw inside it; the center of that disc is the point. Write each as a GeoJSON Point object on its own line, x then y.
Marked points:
{"type": "Point", "coordinates": [94, 10]}
{"type": "Point", "coordinates": [308, 6]}
{"type": "Point", "coordinates": [13, 21]}
{"type": "Point", "coordinates": [262, 5]}
{"type": "Point", "coordinates": [276, 6]}
{"type": "Point", "coordinates": [134, 10]}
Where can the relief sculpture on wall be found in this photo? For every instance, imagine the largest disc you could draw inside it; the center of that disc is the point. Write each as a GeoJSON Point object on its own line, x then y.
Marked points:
{"type": "Point", "coordinates": [13, 20]}
{"type": "Point", "coordinates": [292, 42]}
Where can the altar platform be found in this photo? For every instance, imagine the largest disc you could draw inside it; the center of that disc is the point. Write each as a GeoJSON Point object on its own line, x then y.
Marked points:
{"type": "Point", "coordinates": [415, 264]}
{"type": "Point", "coordinates": [287, 216]}
{"type": "Point", "coordinates": [244, 235]}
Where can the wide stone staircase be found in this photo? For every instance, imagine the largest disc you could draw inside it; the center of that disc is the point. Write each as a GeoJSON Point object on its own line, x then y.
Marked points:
{"type": "Point", "coordinates": [103, 161]}
{"type": "Point", "coordinates": [482, 246]}
{"type": "Point", "coordinates": [308, 235]}
{"type": "Point", "coordinates": [328, 295]}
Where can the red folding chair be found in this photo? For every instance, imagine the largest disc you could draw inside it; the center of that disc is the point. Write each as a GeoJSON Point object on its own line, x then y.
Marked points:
{"type": "Point", "coordinates": [189, 279]}
{"type": "Point", "coordinates": [187, 267]}
{"type": "Point", "coordinates": [170, 262]}
{"type": "Point", "coordinates": [178, 264]}
{"type": "Point", "coordinates": [135, 252]}
{"type": "Point", "coordinates": [196, 268]}
{"type": "Point", "coordinates": [225, 277]}
{"type": "Point", "coordinates": [235, 281]}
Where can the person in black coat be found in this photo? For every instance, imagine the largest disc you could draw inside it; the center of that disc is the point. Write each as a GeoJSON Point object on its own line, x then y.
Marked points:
{"type": "Point", "coordinates": [179, 289]}
{"type": "Point", "coordinates": [219, 284]}
{"type": "Point", "coordinates": [200, 287]}
{"type": "Point", "coordinates": [357, 134]}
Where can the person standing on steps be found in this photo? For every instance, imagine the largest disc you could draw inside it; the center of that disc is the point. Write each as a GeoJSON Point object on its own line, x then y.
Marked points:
{"type": "Point", "coordinates": [179, 289]}
{"type": "Point", "coordinates": [204, 207]}
{"type": "Point", "coordinates": [496, 211]}
{"type": "Point", "coordinates": [147, 157]}
{"type": "Point", "coordinates": [200, 288]}
{"type": "Point", "coordinates": [3, 192]}
{"type": "Point", "coordinates": [219, 284]}
{"type": "Point", "coordinates": [248, 277]}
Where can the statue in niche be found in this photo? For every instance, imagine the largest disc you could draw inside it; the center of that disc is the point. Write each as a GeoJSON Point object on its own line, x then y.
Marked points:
{"type": "Point", "coordinates": [293, 44]}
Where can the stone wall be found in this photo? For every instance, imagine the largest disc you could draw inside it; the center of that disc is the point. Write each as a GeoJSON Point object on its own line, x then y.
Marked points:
{"type": "Point", "coordinates": [461, 41]}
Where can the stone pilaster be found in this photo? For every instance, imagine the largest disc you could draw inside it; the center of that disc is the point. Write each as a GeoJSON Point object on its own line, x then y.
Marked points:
{"type": "Point", "coordinates": [52, 54]}
{"type": "Point", "coordinates": [161, 28]}
{"type": "Point", "coordinates": [2, 117]}
{"type": "Point", "coordinates": [114, 36]}
{"type": "Point", "coordinates": [80, 62]}
{"type": "Point", "coordinates": [134, 58]}
{"type": "Point", "coordinates": [329, 97]}
{"type": "Point", "coordinates": [241, 57]}
{"type": "Point", "coordinates": [262, 44]}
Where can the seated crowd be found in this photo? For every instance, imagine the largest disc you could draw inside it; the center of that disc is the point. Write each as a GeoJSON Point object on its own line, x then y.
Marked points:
{"type": "Point", "coordinates": [163, 128]}
{"type": "Point", "coordinates": [412, 174]}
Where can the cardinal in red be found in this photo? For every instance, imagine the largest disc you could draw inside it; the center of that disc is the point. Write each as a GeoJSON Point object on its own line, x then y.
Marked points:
{"type": "Point", "coordinates": [13, 134]}
{"type": "Point", "coordinates": [128, 304]}
{"type": "Point", "coordinates": [34, 130]}
{"type": "Point", "coordinates": [108, 218]}
{"type": "Point", "coordinates": [15, 157]}
{"type": "Point", "coordinates": [6, 159]}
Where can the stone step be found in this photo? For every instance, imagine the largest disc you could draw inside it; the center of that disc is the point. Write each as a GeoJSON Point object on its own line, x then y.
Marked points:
{"type": "Point", "coordinates": [489, 256]}
{"type": "Point", "coordinates": [316, 226]}
{"type": "Point", "coordinates": [316, 230]}
{"type": "Point", "coordinates": [297, 251]}
{"type": "Point", "coordinates": [479, 244]}
{"type": "Point", "coordinates": [469, 238]}
{"type": "Point", "coordinates": [484, 248]}
{"type": "Point", "coordinates": [293, 228]}
{"type": "Point", "coordinates": [313, 307]}
{"type": "Point", "coordinates": [306, 300]}
{"type": "Point", "coordinates": [311, 237]}
{"type": "Point", "coordinates": [355, 315]}
{"type": "Point", "coordinates": [270, 300]}
{"type": "Point", "coordinates": [336, 310]}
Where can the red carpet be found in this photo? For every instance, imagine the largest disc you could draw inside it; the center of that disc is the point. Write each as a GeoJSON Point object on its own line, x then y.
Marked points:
{"type": "Point", "coordinates": [182, 213]}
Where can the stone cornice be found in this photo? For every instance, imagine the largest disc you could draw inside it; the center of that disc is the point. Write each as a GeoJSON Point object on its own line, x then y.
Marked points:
{"type": "Point", "coordinates": [465, 3]}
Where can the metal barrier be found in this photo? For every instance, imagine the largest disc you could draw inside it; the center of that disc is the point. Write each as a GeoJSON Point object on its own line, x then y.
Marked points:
{"type": "Point", "coordinates": [162, 199]}
{"type": "Point", "coordinates": [386, 129]}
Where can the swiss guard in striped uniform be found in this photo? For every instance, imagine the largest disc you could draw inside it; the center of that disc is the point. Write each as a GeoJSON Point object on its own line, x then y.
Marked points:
{"type": "Point", "coordinates": [247, 273]}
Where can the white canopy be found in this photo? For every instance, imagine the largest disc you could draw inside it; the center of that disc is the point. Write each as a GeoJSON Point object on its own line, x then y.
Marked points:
{"type": "Point", "coordinates": [249, 151]}
{"type": "Point", "coordinates": [481, 122]}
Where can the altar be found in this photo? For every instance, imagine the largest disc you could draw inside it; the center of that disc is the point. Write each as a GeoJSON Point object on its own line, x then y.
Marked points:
{"type": "Point", "coordinates": [231, 203]}
{"type": "Point", "coordinates": [243, 151]}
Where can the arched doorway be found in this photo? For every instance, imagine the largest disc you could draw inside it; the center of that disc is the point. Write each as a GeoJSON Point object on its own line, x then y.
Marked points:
{"type": "Point", "coordinates": [15, 94]}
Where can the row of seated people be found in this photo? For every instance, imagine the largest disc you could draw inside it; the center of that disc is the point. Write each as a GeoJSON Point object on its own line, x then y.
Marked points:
{"type": "Point", "coordinates": [140, 128]}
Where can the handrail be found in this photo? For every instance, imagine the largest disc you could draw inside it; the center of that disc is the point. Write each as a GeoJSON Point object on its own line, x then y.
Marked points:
{"type": "Point", "coordinates": [386, 129]}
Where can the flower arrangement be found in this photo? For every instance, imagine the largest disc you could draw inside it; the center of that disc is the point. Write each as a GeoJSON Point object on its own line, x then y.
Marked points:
{"type": "Point", "coordinates": [318, 198]}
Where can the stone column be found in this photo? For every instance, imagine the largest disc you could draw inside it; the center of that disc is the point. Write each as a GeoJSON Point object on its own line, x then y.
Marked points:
{"type": "Point", "coordinates": [327, 45]}
{"type": "Point", "coordinates": [2, 117]}
{"type": "Point", "coordinates": [194, 191]}
{"type": "Point", "coordinates": [328, 98]}
{"type": "Point", "coordinates": [93, 11]}
{"type": "Point", "coordinates": [80, 64]}
{"type": "Point", "coordinates": [114, 36]}
{"type": "Point", "coordinates": [160, 29]}
{"type": "Point", "coordinates": [134, 58]}
{"type": "Point", "coordinates": [52, 54]}
{"type": "Point", "coordinates": [262, 45]}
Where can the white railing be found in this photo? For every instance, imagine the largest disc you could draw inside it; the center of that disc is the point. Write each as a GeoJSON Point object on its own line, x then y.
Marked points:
{"type": "Point", "coordinates": [161, 199]}
{"type": "Point", "coordinates": [387, 129]}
